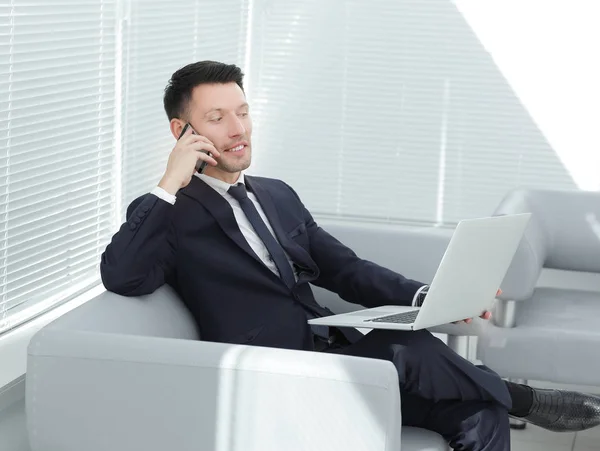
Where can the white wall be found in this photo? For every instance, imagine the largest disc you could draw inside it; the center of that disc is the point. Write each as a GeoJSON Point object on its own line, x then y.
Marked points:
{"type": "Point", "coordinates": [549, 58]}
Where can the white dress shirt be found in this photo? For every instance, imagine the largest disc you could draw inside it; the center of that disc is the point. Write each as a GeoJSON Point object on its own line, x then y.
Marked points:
{"type": "Point", "coordinates": [246, 228]}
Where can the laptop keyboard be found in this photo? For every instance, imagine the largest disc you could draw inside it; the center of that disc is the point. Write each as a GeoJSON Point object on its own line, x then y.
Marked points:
{"type": "Point", "coordinates": [398, 318]}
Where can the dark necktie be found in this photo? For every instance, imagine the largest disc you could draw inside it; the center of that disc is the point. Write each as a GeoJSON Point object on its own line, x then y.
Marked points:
{"type": "Point", "coordinates": [239, 193]}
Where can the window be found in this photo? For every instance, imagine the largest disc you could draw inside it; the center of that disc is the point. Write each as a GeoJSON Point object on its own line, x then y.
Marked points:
{"type": "Point", "coordinates": [83, 131]}
{"type": "Point", "coordinates": [57, 128]}
{"type": "Point", "coordinates": [412, 112]}
{"type": "Point", "coordinates": [158, 39]}
{"type": "Point", "coordinates": [398, 111]}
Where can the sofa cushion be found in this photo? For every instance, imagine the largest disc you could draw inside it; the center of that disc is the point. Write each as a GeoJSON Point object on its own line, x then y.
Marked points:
{"type": "Point", "coordinates": [556, 339]}
{"type": "Point", "coordinates": [415, 439]}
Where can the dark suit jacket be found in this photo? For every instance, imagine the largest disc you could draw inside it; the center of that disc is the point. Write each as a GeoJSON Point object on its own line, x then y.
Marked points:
{"type": "Point", "coordinates": [197, 247]}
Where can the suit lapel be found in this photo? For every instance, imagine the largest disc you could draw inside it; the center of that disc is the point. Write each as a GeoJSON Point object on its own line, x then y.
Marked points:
{"type": "Point", "coordinates": [303, 260]}
{"type": "Point", "coordinates": [220, 209]}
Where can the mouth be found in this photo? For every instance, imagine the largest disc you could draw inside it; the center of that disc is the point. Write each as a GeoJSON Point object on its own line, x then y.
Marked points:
{"type": "Point", "coordinates": [238, 148]}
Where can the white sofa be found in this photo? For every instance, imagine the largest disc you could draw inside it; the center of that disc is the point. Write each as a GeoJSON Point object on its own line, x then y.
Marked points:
{"type": "Point", "coordinates": [546, 333]}
{"type": "Point", "coordinates": [130, 373]}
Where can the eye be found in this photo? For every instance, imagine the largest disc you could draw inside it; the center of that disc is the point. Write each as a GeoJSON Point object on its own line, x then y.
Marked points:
{"type": "Point", "coordinates": [243, 114]}
{"type": "Point", "coordinates": [216, 119]}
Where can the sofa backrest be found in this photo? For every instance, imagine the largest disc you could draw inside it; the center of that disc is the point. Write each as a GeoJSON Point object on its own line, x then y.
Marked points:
{"type": "Point", "coordinates": [413, 252]}
{"type": "Point", "coordinates": [564, 234]}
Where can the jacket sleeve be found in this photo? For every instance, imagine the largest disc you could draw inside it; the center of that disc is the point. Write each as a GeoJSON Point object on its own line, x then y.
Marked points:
{"type": "Point", "coordinates": [141, 255]}
{"type": "Point", "coordinates": [354, 279]}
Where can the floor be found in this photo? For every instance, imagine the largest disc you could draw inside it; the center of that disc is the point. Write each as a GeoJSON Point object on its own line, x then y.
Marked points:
{"type": "Point", "coordinates": [537, 439]}
{"type": "Point", "coordinates": [13, 432]}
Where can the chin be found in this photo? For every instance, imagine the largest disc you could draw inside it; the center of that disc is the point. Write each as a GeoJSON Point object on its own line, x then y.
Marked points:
{"type": "Point", "coordinates": [232, 169]}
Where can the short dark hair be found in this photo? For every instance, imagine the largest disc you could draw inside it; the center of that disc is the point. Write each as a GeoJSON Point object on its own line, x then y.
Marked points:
{"type": "Point", "coordinates": [178, 92]}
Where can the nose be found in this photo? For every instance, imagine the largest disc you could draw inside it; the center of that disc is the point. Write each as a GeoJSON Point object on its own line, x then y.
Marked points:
{"type": "Point", "coordinates": [236, 128]}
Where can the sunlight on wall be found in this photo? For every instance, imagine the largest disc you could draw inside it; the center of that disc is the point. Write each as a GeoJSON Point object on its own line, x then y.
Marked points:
{"type": "Point", "coordinates": [548, 52]}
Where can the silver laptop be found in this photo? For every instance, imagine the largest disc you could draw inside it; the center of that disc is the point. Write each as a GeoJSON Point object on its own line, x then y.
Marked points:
{"type": "Point", "coordinates": [465, 284]}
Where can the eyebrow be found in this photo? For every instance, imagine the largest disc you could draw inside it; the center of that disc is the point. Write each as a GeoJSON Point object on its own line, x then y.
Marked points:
{"type": "Point", "coordinates": [220, 110]}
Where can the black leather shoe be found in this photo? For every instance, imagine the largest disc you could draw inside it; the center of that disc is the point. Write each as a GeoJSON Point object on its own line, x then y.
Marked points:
{"type": "Point", "coordinates": [563, 411]}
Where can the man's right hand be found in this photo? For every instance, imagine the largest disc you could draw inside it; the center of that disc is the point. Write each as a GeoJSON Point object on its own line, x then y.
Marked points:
{"type": "Point", "coordinates": [183, 159]}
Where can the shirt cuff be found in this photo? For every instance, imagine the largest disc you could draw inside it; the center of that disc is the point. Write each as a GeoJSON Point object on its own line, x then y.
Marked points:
{"type": "Point", "coordinates": [162, 194]}
{"type": "Point", "coordinates": [420, 296]}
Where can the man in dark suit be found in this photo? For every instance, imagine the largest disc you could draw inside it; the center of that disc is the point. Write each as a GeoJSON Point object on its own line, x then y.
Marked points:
{"type": "Point", "coordinates": [242, 252]}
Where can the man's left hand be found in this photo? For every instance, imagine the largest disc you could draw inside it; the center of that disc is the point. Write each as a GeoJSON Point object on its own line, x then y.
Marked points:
{"type": "Point", "coordinates": [485, 315]}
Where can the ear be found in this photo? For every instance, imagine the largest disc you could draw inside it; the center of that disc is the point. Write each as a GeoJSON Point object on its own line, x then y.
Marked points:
{"type": "Point", "coordinates": [176, 127]}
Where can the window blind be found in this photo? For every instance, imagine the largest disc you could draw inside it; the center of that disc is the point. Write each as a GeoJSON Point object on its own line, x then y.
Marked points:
{"type": "Point", "coordinates": [57, 99]}
{"type": "Point", "coordinates": [159, 38]}
{"type": "Point", "coordinates": [390, 111]}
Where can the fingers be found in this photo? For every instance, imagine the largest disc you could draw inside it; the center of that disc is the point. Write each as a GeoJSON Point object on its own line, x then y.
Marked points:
{"type": "Point", "coordinates": [205, 157]}
{"type": "Point", "coordinates": [486, 315]}
{"type": "Point", "coordinates": [194, 138]}
{"type": "Point", "coordinates": [499, 292]}
{"type": "Point", "coordinates": [198, 143]}
{"type": "Point", "coordinates": [205, 146]}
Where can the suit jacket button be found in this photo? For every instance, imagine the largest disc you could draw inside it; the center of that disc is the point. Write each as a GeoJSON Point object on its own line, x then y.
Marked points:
{"type": "Point", "coordinates": [141, 214]}
{"type": "Point", "coordinates": [137, 220]}
{"type": "Point", "coordinates": [132, 226]}
{"type": "Point", "coordinates": [145, 208]}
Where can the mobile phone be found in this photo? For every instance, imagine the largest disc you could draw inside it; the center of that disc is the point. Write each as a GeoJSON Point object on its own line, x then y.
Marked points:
{"type": "Point", "coordinates": [201, 165]}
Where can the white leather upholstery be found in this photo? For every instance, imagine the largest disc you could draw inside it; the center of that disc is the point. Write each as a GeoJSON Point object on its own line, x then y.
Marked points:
{"type": "Point", "coordinates": [125, 373]}
{"type": "Point", "coordinates": [556, 337]}
{"type": "Point", "coordinates": [564, 233]}
{"type": "Point", "coordinates": [131, 392]}
{"type": "Point", "coordinates": [415, 438]}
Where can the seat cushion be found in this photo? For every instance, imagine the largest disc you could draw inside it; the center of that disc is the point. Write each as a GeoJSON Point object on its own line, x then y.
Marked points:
{"type": "Point", "coordinates": [415, 439]}
{"type": "Point", "coordinates": [556, 339]}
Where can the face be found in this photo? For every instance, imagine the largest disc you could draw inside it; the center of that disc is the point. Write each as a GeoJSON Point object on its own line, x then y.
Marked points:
{"type": "Point", "coordinates": [220, 113]}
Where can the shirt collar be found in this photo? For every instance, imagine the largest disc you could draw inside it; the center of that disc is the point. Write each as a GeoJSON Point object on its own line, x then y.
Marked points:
{"type": "Point", "coordinates": [219, 185]}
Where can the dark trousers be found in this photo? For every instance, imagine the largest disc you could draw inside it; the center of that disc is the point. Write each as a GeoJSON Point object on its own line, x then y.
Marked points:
{"type": "Point", "coordinates": [441, 391]}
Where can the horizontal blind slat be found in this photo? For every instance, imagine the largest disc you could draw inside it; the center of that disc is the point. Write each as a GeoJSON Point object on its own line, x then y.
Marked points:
{"type": "Point", "coordinates": [57, 128]}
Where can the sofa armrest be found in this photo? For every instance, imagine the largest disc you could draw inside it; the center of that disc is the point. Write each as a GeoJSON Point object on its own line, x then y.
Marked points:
{"type": "Point", "coordinates": [521, 278]}
{"type": "Point", "coordinates": [95, 391]}
{"type": "Point", "coordinates": [160, 314]}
